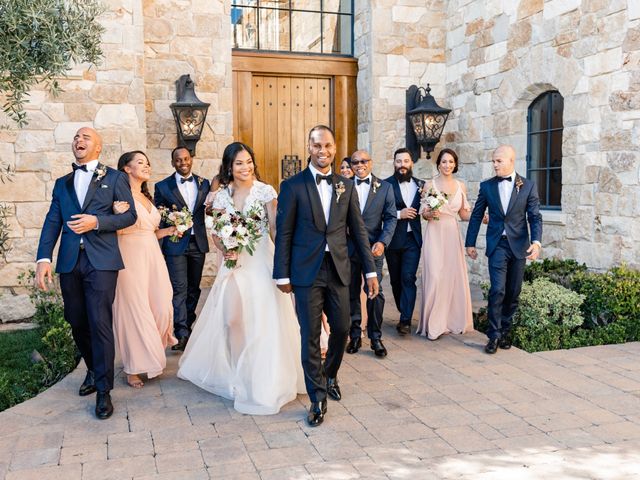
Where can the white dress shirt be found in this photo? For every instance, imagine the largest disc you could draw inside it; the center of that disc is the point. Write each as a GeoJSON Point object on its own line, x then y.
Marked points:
{"type": "Point", "coordinates": [408, 191]}
{"type": "Point", "coordinates": [188, 190]}
{"type": "Point", "coordinates": [363, 190]}
{"type": "Point", "coordinates": [505, 188]}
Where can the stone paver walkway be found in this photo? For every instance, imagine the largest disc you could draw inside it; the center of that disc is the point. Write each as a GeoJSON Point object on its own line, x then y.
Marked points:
{"type": "Point", "coordinates": [431, 410]}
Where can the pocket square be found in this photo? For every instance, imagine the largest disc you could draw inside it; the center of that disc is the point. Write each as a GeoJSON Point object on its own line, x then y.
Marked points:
{"type": "Point", "coordinates": [104, 186]}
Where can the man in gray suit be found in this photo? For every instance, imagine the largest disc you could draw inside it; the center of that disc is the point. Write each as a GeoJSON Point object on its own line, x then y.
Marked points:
{"type": "Point", "coordinates": [377, 205]}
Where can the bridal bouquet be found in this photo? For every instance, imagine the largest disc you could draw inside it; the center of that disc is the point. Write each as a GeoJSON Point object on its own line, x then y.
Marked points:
{"type": "Point", "coordinates": [181, 219]}
{"type": "Point", "coordinates": [236, 231]}
{"type": "Point", "coordinates": [433, 199]}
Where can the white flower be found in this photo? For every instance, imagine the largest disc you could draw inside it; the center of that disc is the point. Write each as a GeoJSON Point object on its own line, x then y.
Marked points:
{"type": "Point", "coordinates": [242, 231]}
{"type": "Point", "coordinates": [208, 222]}
{"type": "Point", "coordinates": [226, 231]}
{"type": "Point", "coordinates": [182, 228]}
{"type": "Point", "coordinates": [433, 202]}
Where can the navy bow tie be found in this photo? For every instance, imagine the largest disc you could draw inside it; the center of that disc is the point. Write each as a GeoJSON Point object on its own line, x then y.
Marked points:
{"type": "Point", "coordinates": [188, 179]}
{"type": "Point", "coordinates": [320, 178]}
{"type": "Point", "coordinates": [358, 181]}
{"type": "Point", "coordinates": [79, 167]}
{"type": "Point", "coordinates": [508, 179]}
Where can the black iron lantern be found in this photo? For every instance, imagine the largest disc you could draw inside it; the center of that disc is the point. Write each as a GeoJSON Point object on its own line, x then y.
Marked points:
{"type": "Point", "coordinates": [425, 119]}
{"type": "Point", "coordinates": [189, 113]}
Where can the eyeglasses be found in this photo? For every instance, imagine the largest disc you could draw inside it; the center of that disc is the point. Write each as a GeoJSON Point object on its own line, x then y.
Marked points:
{"type": "Point", "coordinates": [358, 162]}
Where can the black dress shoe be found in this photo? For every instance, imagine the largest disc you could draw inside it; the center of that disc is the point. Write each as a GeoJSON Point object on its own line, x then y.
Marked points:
{"type": "Point", "coordinates": [504, 343]}
{"type": "Point", "coordinates": [354, 345]}
{"type": "Point", "coordinates": [181, 345]}
{"type": "Point", "coordinates": [378, 348]}
{"type": "Point", "coordinates": [333, 390]}
{"type": "Point", "coordinates": [88, 386]}
{"type": "Point", "coordinates": [104, 407]}
{"type": "Point", "coordinates": [316, 413]}
{"type": "Point", "coordinates": [492, 346]}
{"type": "Point", "coordinates": [403, 328]}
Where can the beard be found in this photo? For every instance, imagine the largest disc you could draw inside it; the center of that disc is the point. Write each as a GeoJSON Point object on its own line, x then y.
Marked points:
{"type": "Point", "coordinates": [403, 177]}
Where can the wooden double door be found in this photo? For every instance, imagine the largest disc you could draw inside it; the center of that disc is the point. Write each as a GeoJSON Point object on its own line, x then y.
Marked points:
{"type": "Point", "coordinates": [278, 99]}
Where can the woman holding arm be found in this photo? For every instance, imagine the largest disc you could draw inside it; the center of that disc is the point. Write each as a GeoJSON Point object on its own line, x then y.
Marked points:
{"type": "Point", "coordinates": [446, 297]}
{"type": "Point", "coordinates": [142, 309]}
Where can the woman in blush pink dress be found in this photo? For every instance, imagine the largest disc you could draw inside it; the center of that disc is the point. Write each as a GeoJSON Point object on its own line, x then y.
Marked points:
{"type": "Point", "coordinates": [142, 310]}
{"type": "Point", "coordinates": [446, 298]}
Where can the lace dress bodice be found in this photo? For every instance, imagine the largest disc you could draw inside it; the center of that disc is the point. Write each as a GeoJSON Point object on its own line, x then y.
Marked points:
{"type": "Point", "coordinates": [255, 203]}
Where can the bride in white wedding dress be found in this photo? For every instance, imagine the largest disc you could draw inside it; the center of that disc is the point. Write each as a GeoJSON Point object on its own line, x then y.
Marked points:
{"type": "Point", "coordinates": [245, 344]}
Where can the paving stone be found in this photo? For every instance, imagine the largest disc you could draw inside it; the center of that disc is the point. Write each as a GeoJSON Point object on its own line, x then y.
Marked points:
{"type": "Point", "coordinates": [557, 421]}
{"type": "Point", "coordinates": [285, 438]}
{"type": "Point", "coordinates": [575, 438]}
{"type": "Point", "coordinates": [130, 444]}
{"type": "Point", "coordinates": [430, 448]}
{"type": "Point", "coordinates": [62, 472]}
{"type": "Point", "coordinates": [340, 470]}
{"type": "Point", "coordinates": [538, 442]}
{"type": "Point", "coordinates": [615, 432]}
{"type": "Point", "coordinates": [336, 446]}
{"type": "Point", "coordinates": [229, 470]}
{"type": "Point", "coordinates": [37, 441]}
{"type": "Point", "coordinates": [180, 461]}
{"type": "Point", "coordinates": [92, 452]}
{"type": "Point", "coordinates": [184, 475]}
{"type": "Point", "coordinates": [26, 459]}
{"type": "Point", "coordinates": [465, 439]}
{"type": "Point", "coordinates": [444, 416]}
{"type": "Point", "coordinates": [119, 468]}
{"type": "Point", "coordinates": [284, 457]}
{"type": "Point", "coordinates": [290, 473]}
{"type": "Point", "coordinates": [401, 433]}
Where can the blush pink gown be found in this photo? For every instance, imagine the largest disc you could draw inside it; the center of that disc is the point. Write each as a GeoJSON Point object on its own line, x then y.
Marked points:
{"type": "Point", "coordinates": [142, 309]}
{"type": "Point", "coordinates": [446, 298]}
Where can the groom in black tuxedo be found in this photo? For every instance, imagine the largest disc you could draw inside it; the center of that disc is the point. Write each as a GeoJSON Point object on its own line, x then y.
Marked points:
{"type": "Point", "coordinates": [185, 258]}
{"type": "Point", "coordinates": [88, 258]}
{"type": "Point", "coordinates": [315, 209]}
{"type": "Point", "coordinates": [512, 202]}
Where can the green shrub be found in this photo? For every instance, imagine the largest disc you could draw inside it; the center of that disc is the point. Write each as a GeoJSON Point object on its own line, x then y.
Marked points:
{"type": "Point", "coordinates": [558, 271]}
{"type": "Point", "coordinates": [544, 303]}
{"type": "Point", "coordinates": [20, 377]}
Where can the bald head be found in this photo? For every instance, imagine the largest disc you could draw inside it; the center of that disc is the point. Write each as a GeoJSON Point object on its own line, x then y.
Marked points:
{"type": "Point", "coordinates": [361, 163]}
{"type": "Point", "coordinates": [504, 160]}
{"type": "Point", "coordinates": [86, 145]}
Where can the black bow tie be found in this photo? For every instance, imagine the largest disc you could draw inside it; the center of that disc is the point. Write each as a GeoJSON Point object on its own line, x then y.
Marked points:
{"type": "Point", "coordinates": [320, 178]}
{"type": "Point", "coordinates": [188, 179]}
{"type": "Point", "coordinates": [79, 167]}
{"type": "Point", "coordinates": [508, 179]}
{"type": "Point", "coordinates": [366, 180]}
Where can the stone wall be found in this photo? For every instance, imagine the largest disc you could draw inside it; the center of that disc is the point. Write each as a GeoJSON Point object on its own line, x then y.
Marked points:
{"type": "Point", "coordinates": [147, 45]}
{"type": "Point", "coordinates": [397, 43]}
{"type": "Point", "coordinates": [500, 56]}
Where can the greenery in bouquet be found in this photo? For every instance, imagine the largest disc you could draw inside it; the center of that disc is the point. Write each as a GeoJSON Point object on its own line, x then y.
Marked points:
{"type": "Point", "coordinates": [237, 231]}
{"type": "Point", "coordinates": [181, 219]}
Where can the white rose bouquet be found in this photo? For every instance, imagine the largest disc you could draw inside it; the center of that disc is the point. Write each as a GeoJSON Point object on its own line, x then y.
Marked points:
{"type": "Point", "coordinates": [433, 199]}
{"type": "Point", "coordinates": [181, 219]}
{"type": "Point", "coordinates": [236, 231]}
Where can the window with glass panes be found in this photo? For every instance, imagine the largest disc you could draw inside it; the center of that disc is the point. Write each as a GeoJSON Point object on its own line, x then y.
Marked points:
{"type": "Point", "coordinates": [296, 26]}
{"type": "Point", "coordinates": [544, 147]}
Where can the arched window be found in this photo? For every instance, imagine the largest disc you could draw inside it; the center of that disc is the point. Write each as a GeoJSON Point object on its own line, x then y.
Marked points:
{"type": "Point", "coordinates": [297, 26]}
{"type": "Point", "coordinates": [544, 147]}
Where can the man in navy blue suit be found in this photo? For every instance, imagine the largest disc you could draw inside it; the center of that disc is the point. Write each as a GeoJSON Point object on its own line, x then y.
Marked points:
{"type": "Point", "coordinates": [185, 258]}
{"type": "Point", "coordinates": [315, 209]}
{"type": "Point", "coordinates": [378, 208]}
{"type": "Point", "coordinates": [403, 253]}
{"type": "Point", "coordinates": [88, 257]}
{"type": "Point", "coordinates": [513, 203]}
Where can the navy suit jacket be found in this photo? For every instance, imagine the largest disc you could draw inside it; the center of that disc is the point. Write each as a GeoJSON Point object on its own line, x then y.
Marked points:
{"type": "Point", "coordinates": [379, 214]}
{"type": "Point", "coordinates": [302, 232]}
{"type": "Point", "coordinates": [524, 207]}
{"type": "Point", "coordinates": [399, 239]}
{"type": "Point", "coordinates": [167, 194]}
{"type": "Point", "coordinates": [100, 245]}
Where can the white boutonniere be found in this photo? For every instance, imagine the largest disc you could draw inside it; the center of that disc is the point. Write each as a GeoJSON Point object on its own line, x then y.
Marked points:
{"type": "Point", "coordinates": [519, 184]}
{"type": "Point", "coordinates": [340, 189]}
{"type": "Point", "coordinates": [100, 172]}
{"type": "Point", "coordinates": [200, 180]}
{"type": "Point", "coordinates": [376, 185]}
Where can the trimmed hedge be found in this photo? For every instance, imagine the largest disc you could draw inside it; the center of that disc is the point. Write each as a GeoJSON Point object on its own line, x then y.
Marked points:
{"type": "Point", "coordinates": [33, 360]}
{"type": "Point", "coordinates": [563, 305]}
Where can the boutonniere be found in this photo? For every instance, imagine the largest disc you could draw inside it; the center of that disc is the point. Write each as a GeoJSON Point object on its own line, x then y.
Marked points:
{"type": "Point", "coordinates": [100, 172]}
{"type": "Point", "coordinates": [200, 180]}
{"type": "Point", "coordinates": [519, 184]}
{"type": "Point", "coordinates": [340, 188]}
{"type": "Point", "coordinates": [376, 185]}
{"type": "Point", "coordinates": [420, 187]}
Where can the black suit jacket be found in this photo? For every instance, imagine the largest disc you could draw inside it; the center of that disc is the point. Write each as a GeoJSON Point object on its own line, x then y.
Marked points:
{"type": "Point", "coordinates": [400, 236]}
{"type": "Point", "coordinates": [302, 232]}
{"type": "Point", "coordinates": [379, 214]}
{"type": "Point", "coordinates": [523, 208]}
{"type": "Point", "coordinates": [166, 194]}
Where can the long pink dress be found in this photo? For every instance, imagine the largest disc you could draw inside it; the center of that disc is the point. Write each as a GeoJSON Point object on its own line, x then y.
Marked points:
{"type": "Point", "coordinates": [142, 310]}
{"type": "Point", "coordinates": [446, 298]}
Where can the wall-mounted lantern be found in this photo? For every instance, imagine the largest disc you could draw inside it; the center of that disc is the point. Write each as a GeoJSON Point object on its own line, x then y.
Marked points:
{"type": "Point", "coordinates": [189, 113]}
{"type": "Point", "coordinates": [425, 120]}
